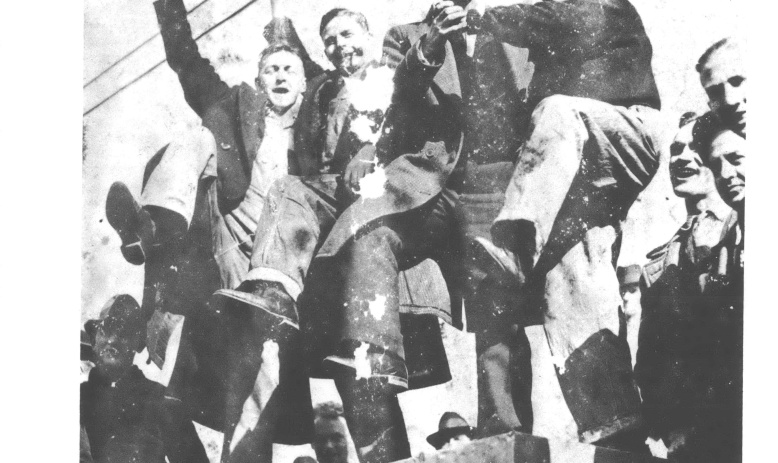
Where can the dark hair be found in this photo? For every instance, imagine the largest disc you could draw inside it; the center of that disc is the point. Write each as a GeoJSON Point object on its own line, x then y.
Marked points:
{"type": "Point", "coordinates": [686, 118]}
{"type": "Point", "coordinates": [329, 410]}
{"type": "Point", "coordinates": [706, 127]}
{"type": "Point", "coordinates": [337, 12]}
{"type": "Point", "coordinates": [277, 47]}
{"type": "Point", "coordinates": [711, 50]}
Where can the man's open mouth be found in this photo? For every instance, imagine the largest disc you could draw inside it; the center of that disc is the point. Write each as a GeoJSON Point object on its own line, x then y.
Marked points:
{"type": "Point", "coordinates": [109, 352]}
{"type": "Point", "coordinates": [281, 90]}
{"type": "Point", "coordinates": [684, 173]}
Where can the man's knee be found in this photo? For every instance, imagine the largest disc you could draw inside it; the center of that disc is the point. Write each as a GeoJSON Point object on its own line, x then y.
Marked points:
{"type": "Point", "coordinates": [561, 105]}
{"type": "Point", "coordinates": [376, 242]}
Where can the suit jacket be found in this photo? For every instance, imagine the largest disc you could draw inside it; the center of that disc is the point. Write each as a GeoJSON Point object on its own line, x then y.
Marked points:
{"type": "Point", "coordinates": [689, 361]}
{"type": "Point", "coordinates": [594, 49]}
{"type": "Point", "coordinates": [235, 114]}
{"type": "Point", "coordinates": [123, 421]}
{"type": "Point", "coordinates": [424, 140]}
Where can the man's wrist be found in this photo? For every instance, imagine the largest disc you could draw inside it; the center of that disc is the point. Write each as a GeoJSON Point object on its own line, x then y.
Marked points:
{"type": "Point", "coordinates": [431, 51]}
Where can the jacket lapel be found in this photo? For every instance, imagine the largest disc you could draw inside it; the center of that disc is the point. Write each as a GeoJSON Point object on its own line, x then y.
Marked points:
{"type": "Point", "coordinates": [252, 121]}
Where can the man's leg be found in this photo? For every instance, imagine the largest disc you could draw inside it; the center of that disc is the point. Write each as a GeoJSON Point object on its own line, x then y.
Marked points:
{"type": "Point", "coordinates": [264, 362]}
{"type": "Point", "coordinates": [371, 353]}
{"type": "Point", "coordinates": [168, 199]}
{"type": "Point", "coordinates": [297, 213]}
{"type": "Point", "coordinates": [581, 169]}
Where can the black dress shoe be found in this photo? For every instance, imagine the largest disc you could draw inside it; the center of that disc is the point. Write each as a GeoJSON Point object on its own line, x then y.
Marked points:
{"type": "Point", "coordinates": [269, 296]}
{"type": "Point", "coordinates": [500, 264]}
{"type": "Point", "coordinates": [131, 222]}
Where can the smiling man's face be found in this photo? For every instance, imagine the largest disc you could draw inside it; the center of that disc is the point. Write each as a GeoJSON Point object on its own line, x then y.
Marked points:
{"type": "Point", "coordinates": [727, 160]}
{"type": "Point", "coordinates": [346, 43]}
{"type": "Point", "coordinates": [689, 176]}
{"type": "Point", "coordinates": [282, 79]}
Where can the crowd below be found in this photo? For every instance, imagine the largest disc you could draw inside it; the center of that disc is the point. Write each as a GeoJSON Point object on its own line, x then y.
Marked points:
{"type": "Point", "coordinates": [323, 223]}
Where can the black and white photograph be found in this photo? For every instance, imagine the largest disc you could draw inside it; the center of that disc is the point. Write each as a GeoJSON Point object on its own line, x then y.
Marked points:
{"type": "Point", "coordinates": [447, 231]}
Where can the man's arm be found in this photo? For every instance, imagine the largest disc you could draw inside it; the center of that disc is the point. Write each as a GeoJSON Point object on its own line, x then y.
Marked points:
{"type": "Point", "coordinates": [417, 63]}
{"type": "Point", "coordinates": [558, 26]}
{"type": "Point", "coordinates": [201, 84]}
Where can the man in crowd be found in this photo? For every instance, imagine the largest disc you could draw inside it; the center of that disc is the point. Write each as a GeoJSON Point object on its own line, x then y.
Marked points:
{"type": "Point", "coordinates": [690, 361]}
{"type": "Point", "coordinates": [125, 416]}
{"type": "Point", "coordinates": [671, 288]}
{"type": "Point", "coordinates": [690, 356]}
{"type": "Point", "coordinates": [298, 215]}
{"type": "Point", "coordinates": [330, 440]}
{"type": "Point", "coordinates": [589, 154]}
{"type": "Point", "coordinates": [629, 286]}
{"type": "Point", "coordinates": [250, 138]}
{"type": "Point", "coordinates": [723, 76]}
{"type": "Point", "coordinates": [453, 432]}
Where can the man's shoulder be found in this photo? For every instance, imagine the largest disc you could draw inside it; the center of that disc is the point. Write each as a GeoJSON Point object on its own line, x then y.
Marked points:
{"type": "Point", "coordinates": [659, 257]}
{"type": "Point", "coordinates": [408, 32]}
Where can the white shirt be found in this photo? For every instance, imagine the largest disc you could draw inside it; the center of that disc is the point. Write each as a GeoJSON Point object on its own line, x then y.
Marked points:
{"type": "Point", "coordinates": [270, 164]}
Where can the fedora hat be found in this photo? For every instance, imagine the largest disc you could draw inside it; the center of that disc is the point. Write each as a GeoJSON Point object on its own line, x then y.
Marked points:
{"type": "Point", "coordinates": [451, 424]}
{"type": "Point", "coordinates": [122, 316]}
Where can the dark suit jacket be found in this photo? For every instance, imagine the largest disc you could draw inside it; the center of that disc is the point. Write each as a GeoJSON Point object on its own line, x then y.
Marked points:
{"type": "Point", "coordinates": [424, 141]}
{"type": "Point", "coordinates": [235, 114]}
{"type": "Point", "coordinates": [689, 361]}
{"type": "Point", "coordinates": [594, 49]}
{"type": "Point", "coordinates": [124, 419]}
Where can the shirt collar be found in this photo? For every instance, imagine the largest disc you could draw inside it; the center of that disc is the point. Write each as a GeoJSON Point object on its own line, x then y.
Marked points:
{"type": "Point", "coordinates": [719, 211]}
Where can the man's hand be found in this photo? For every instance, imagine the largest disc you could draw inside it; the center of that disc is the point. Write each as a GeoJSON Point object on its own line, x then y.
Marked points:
{"type": "Point", "coordinates": [448, 19]}
{"type": "Point", "coordinates": [362, 164]}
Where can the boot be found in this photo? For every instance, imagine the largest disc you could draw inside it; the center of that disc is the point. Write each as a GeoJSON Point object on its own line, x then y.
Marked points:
{"type": "Point", "coordinates": [500, 264]}
{"type": "Point", "coordinates": [141, 229]}
{"type": "Point", "coordinates": [269, 296]}
{"type": "Point", "coordinates": [374, 417]}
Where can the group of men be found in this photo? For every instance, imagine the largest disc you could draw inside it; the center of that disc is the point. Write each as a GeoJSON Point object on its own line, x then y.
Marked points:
{"type": "Point", "coordinates": [321, 274]}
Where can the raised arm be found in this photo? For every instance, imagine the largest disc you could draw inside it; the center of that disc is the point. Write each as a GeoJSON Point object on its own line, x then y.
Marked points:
{"type": "Point", "coordinates": [201, 84]}
{"type": "Point", "coordinates": [417, 63]}
{"type": "Point", "coordinates": [551, 26]}
{"type": "Point", "coordinates": [281, 29]}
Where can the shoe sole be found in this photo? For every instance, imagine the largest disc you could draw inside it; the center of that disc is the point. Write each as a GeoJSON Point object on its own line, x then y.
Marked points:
{"type": "Point", "coordinates": [225, 295]}
{"type": "Point", "coordinates": [121, 210]}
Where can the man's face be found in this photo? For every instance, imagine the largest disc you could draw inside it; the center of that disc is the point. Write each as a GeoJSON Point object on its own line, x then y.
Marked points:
{"type": "Point", "coordinates": [689, 176]}
{"type": "Point", "coordinates": [727, 160]}
{"type": "Point", "coordinates": [282, 79]}
{"type": "Point", "coordinates": [345, 43]}
{"type": "Point", "coordinates": [456, 442]}
{"type": "Point", "coordinates": [724, 79]}
{"type": "Point", "coordinates": [330, 441]}
{"type": "Point", "coordinates": [114, 353]}
{"type": "Point", "coordinates": [630, 296]}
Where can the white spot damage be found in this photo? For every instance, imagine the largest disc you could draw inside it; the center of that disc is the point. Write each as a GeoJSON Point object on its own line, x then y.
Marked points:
{"type": "Point", "coordinates": [362, 361]}
{"type": "Point", "coordinates": [377, 307]}
{"type": "Point", "coordinates": [559, 363]}
{"type": "Point", "coordinates": [371, 186]}
{"type": "Point", "coordinates": [370, 98]}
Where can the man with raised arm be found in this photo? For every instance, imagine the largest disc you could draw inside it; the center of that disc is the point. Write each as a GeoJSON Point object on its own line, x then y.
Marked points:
{"type": "Point", "coordinates": [212, 181]}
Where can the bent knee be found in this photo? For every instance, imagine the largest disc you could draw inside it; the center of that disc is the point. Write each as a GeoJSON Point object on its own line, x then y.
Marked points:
{"type": "Point", "coordinates": [557, 103]}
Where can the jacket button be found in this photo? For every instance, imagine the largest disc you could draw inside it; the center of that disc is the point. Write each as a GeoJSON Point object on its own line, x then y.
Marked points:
{"type": "Point", "coordinates": [225, 146]}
